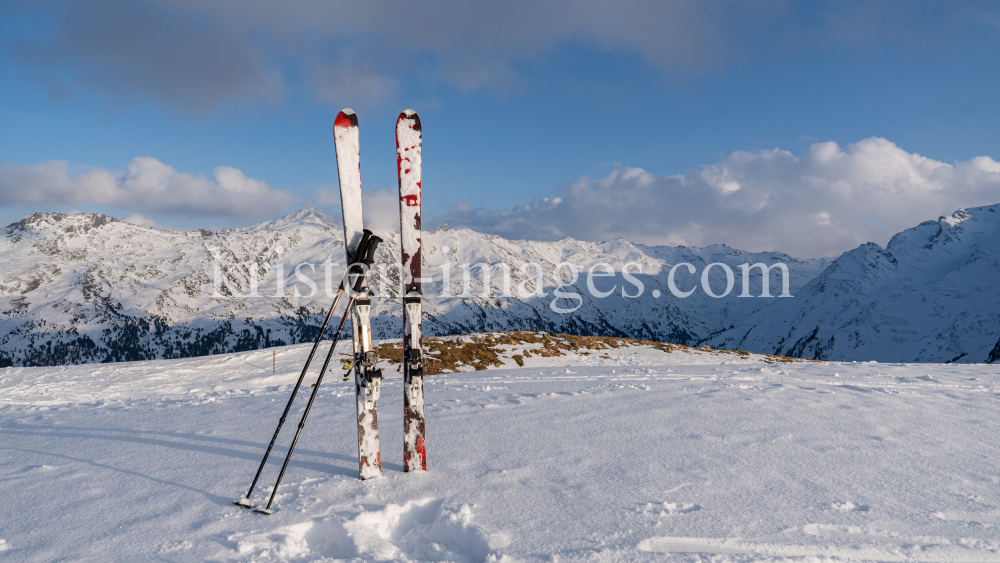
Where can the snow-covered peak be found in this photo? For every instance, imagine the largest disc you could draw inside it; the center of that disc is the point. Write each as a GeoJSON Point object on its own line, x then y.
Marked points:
{"type": "Point", "coordinates": [307, 217]}
{"type": "Point", "coordinates": [91, 284]}
{"type": "Point", "coordinates": [925, 297]}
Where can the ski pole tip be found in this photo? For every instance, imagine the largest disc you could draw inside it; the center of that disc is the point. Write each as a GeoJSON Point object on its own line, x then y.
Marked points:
{"type": "Point", "coordinates": [263, 511]}
{"type": "Point", "coordinates": [243, 502]}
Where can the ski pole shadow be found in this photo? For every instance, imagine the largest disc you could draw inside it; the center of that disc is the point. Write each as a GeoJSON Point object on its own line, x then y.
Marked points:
{"type": "Point", "coordinates": [276, 458]}
{"type": "Point", "coordinates": [141, 436]}
{"type": "Point", "coordinates": [217, 499]}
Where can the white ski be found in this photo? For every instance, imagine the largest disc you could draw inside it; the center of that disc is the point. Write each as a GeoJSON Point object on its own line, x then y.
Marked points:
{"type": "Point", "coordinates": [409, 144]}
{"type": "Point", "coordinates": [367, 378]}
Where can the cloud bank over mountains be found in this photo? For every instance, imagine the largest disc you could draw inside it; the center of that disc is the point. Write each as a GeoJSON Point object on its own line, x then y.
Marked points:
{"type": "Point", "coordinates": [824, 202]}
{"type": "Point", "coordinates": [145, 186]}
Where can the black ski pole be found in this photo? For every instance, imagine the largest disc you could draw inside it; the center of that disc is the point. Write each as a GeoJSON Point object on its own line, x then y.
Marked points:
{"type": "Point", "coordinates": [359, 254]}
{"type": "Point", "coordinates": [366, 262]}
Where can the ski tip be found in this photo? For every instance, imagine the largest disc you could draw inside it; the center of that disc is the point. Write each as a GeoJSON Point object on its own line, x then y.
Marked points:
{"type": "Point", "coordinates": [410, 115]}
{"type": "Point", "coordinates": [345, 119]}
{"type": "Point", "coordinates": [263, 511]}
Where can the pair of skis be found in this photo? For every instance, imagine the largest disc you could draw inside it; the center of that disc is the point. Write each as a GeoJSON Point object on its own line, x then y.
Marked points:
{"type": "Point", "coordinates": [360, 246]}
{"type": "Point", "coordinates": [359, 263]}
{"type": "Point", "coordinates": [409, 145]}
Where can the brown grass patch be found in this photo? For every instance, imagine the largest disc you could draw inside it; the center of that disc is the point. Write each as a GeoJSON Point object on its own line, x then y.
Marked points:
{"type": "Point", "coordinates": [447, 354]}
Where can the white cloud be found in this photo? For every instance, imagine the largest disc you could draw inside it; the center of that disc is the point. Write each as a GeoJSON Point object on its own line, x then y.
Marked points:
{"type": "Point", "coordinates": [381, 208]}
{"type": "Point", "coordinates": [822, 203]}
{"type": "Point", "coordinates": [327, 195]}
{"type": "Point", "coordinates": [382, 211]}
{"type": "Point", "coordinates": [146, 185]}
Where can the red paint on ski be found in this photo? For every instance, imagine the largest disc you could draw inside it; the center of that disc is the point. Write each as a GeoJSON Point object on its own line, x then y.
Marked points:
{"type": "Point", "coordinates": [409, 148]}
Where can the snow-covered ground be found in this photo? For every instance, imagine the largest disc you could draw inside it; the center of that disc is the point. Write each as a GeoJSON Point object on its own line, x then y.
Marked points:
{"type": "Point", "coordinates": [683, 457]}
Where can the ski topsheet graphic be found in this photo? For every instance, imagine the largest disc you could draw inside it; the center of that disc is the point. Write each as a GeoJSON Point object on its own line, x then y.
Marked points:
{"type": "Point", "coordinates": [408, 149]}
{"type": "Point", "coordinates": [367, 377]}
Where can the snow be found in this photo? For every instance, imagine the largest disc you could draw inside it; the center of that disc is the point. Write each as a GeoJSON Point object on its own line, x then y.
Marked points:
{"type": "Point", "coordinates": [921, 298]}
{"type": "Point", "coordinates": [656, 457]}
{"type": "Point", "coordinates": [138, 293]}
{"type": "Point", "coordinates": [126, 292]}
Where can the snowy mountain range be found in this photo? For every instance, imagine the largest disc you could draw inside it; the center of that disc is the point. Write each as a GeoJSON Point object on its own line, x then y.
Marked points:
{"type": "Point", "coordinates": [929, 296]}
{"type": "Point", "coordinates": [89, 288]}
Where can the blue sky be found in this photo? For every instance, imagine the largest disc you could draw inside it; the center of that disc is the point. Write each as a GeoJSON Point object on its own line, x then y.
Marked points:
{"type": "Point", "coordinates": [654, 121]}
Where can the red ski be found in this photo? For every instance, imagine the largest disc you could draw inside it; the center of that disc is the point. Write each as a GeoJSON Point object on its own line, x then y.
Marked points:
{"type": "Point", "coordinates": [408, 147]}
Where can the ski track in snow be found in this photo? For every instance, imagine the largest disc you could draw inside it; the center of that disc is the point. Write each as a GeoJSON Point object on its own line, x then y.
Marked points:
{"type": "Point", "coordinates": [648, 457]}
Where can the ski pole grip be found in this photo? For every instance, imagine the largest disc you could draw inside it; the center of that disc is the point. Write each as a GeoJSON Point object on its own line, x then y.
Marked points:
{"type": "Point", "coordinates": [365, 262]}
{"type": "Point", "coordinates": [359, 250]}
{"type": "Point", "coordinates": [373, 243]}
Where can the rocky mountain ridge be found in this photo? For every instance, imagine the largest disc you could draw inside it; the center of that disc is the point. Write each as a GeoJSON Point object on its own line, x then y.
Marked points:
{"type": "Point", "coordinates": [88, 288]}
{"type": "Point", "coordinates": [929, 296]}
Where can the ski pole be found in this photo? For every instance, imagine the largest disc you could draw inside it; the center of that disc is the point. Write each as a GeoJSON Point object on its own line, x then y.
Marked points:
{"type": "Point", "coordinates": [359, 284]}
{"type": "Point", "coordinates": [359, 254]}
{"type": "Point", "coordinates": [305, 413]}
